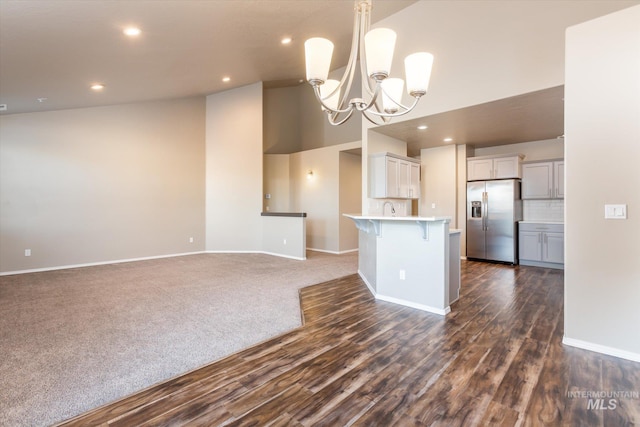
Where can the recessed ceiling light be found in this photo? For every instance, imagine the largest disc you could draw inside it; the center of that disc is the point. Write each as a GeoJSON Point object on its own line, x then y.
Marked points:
{"type": "Point", "coordinates": [97, 86]}
{"type": "Point", "coordinates": [422, 127]}
{"type": "Point", "coordinates": [286, 40]}
{"type": "Point", "coordinates": [132, 31]}
{"type": "Point", "coordinates": [448, 139]}
{"type": "Point", "coordinates": [226, 79]}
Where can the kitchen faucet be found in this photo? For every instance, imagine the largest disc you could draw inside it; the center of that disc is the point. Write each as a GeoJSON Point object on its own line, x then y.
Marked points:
{"type": "Point", "coordinates": [393, 211]}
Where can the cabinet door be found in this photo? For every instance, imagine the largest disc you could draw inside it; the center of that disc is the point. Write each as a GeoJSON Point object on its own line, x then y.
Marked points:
{"type": "Point", "coordinates": [479, 169]}
{"type": "Point", "coordinates": [530, 245]}
{"type": "Point", "coordinates": [506, 167]}
{"type": "Point", "coordinates": [558, 179]}
{"type": "Point", "coordinates": [537, 180]}
{"type": "Point", "coordinates": [392, 177]}
{"type": "Point", "coordinates": [414, 181]}
{"type": "Point", "coordinates": [553, 247]}
{"type": "Point", "coordinates": [404, 172]}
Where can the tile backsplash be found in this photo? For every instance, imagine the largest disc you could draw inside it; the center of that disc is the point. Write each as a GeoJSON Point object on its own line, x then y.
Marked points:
{"type": "Point", "coordinates": [543, 210]}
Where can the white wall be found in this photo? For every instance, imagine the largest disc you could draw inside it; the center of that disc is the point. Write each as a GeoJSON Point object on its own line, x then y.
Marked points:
{"type": "Point", "coordinates": [602, 127]}
{"type": "Point", "coordinates": [101, 184]}
{"type": "Point", "coordinates": [234, 170]}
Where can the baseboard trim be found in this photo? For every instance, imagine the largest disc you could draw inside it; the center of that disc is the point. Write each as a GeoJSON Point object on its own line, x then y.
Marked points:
{"type": "Point", "coordinates": [405, 303]}
{"type": "Point", "coordinates": [366, 282]}
{"type": "Point", "coordinates": [285, 256]}
{"type": "Point", "coordinates": [610, 351]}
{"type": "Point", "coordinates": [417, 306]}
{"type": "Point", "coordinates": [332, 252]}
{"type": "Point", "coordinates": [94, 264]}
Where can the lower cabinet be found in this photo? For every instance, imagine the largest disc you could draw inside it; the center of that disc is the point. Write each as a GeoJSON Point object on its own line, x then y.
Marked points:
{"type": "Point", "coordinates": [541, 245]}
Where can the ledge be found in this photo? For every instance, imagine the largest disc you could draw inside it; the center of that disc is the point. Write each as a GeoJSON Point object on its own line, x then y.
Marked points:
{"type": "Point", "coordinates": [289, 214]}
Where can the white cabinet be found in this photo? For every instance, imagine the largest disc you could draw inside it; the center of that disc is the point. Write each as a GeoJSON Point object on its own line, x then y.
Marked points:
{"type": "Point", "coordinates": [481, 168]}
{"type": "Point", "coordinates": [392, 176]}
{"type": "Point", "coordinates": [541, 245]}
{"type": "Point", "coordinates": [543, 180]}
{"type": "Point", "coordinates": [558, 178]}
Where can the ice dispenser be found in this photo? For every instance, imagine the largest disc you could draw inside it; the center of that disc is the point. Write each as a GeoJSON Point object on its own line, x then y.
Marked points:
{"type": "Point", "coordinates": [476, 209]}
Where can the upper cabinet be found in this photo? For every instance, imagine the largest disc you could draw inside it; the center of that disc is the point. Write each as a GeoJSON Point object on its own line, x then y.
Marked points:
{"type": "Point", "coordinates": [543, 180]}
{"type": "Point", "coordinates": [492, 167]}
{"type": "Point", "coordinates": [394, 177]}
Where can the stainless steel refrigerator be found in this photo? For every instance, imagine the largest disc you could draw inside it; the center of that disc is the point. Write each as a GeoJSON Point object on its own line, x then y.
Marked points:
{"type": "Point", "coordinates": [493, 211]}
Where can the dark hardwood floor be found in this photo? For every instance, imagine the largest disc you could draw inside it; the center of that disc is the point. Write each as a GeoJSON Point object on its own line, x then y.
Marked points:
{"type": "Point", "coordinates": [496, 359]}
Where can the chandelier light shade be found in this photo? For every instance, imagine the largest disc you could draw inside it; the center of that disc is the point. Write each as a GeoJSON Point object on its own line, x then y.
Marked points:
{"type": "Point", "coordinates": [391, 90]}
{"type": "Point", "coordinates": [417, 67]}
{"type": "Point", "coordinates": [379, 45]}
{"type": "Point", "coordinates": [318, 52]}
{"type": "Point", "coordinates": [330, 92]}
{"type": "Point", "coordinates": [382, 94]}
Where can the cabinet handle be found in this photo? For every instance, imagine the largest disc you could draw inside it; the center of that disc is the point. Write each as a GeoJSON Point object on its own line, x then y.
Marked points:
{"type": "Point", "coordinates": [539, 237]}
{"type": "Point", "coordinates": [549, 193]}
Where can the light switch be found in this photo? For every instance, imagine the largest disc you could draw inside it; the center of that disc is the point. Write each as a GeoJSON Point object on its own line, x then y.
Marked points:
{"type": "Point", "coordinates": [615, 211]}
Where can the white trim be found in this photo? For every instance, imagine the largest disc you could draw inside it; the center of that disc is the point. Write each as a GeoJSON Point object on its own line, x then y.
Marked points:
{"type": "Point", "coordinates": [463, 257]}
{"type": "Point", "coordinates": [93, 264]}
{"type": "Point", "coordinates": [623, 354]}
{"type": "Point", "coordinates": [422, 307]}
{"type": "Point", "coordinates": [234, 252]}
{"type": "Point", "coordinates": [285, 256]}
{"type": "Point", "coordinates": [333, 252]}
{"type": "Point", "coordinates": [366, 282]}
{"type": "Point", "coordinates": [406, 303]}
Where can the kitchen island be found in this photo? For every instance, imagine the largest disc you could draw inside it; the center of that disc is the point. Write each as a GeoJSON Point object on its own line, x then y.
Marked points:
{"type": "Point", "coordinates": [408, 260]}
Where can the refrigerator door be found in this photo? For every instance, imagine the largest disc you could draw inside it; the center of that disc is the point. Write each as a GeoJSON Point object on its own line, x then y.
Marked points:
{"type": "Point", "coordinates": [476, 219]}
{"type": "Point", "coordinates": [500, 220]}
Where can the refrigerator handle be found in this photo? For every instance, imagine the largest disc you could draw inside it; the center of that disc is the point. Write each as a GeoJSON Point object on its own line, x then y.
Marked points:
{"type": "Point", "coordinates": [485, 208]}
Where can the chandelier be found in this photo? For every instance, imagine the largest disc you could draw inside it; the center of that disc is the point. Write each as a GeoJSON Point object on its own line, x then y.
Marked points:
{"type": "Point", "coordinates": [375, 49]}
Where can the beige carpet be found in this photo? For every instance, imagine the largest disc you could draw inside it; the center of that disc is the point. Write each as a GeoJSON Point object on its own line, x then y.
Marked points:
{"type": "Point", "coordinates": [72, 340]}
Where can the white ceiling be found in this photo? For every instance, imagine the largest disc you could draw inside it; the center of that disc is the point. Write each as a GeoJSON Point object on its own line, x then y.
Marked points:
{"type": "Point", "coordinates": [56, 49]}
{"type": "Point", "coordinates": [534, 116]}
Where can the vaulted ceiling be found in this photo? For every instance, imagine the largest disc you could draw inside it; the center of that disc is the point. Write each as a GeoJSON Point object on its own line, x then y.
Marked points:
{"type": "Point", "coordinates": [56, 49]}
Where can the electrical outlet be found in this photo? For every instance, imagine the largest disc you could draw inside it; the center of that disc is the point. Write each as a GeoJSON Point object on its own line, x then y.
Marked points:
{"type": "Point", "coordinates": [284, 241]}
{"type": "Point", "coordinates": [27, 252]}
{"type": "Point", "coordinates": [403, 275]}
{"type": "Point", "coordinates": [433, 205]}
{"type": "Point", "coordinates": [190, 239]}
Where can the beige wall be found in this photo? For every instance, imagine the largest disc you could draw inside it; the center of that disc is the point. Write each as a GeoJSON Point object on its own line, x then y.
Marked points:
{"type": "Point", "coordinates": [350, 188]}
{"type": "Point", "coordinates": [294, 121]}
{"type": "Point", "coordinates": [379, 143]}
{"type": "Point", "coordinates": [439, 182]}
{"type": "Point", "coordinates": [490, 53]}
{"type": "Point", "coordinates": [319, 197]}
{"type": "Point", "coordinates": [234, 170]}
{"type": "Point", "coordinates": [101, 184]}
{"type": "Point", "coordinates": [602, 127]}
{"type": "Point", "coordinates": [535, 150]}
{"type": "Point", "coordinates": [276, 183]}
{"type": "Point", "coordinates": [282, 120]}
